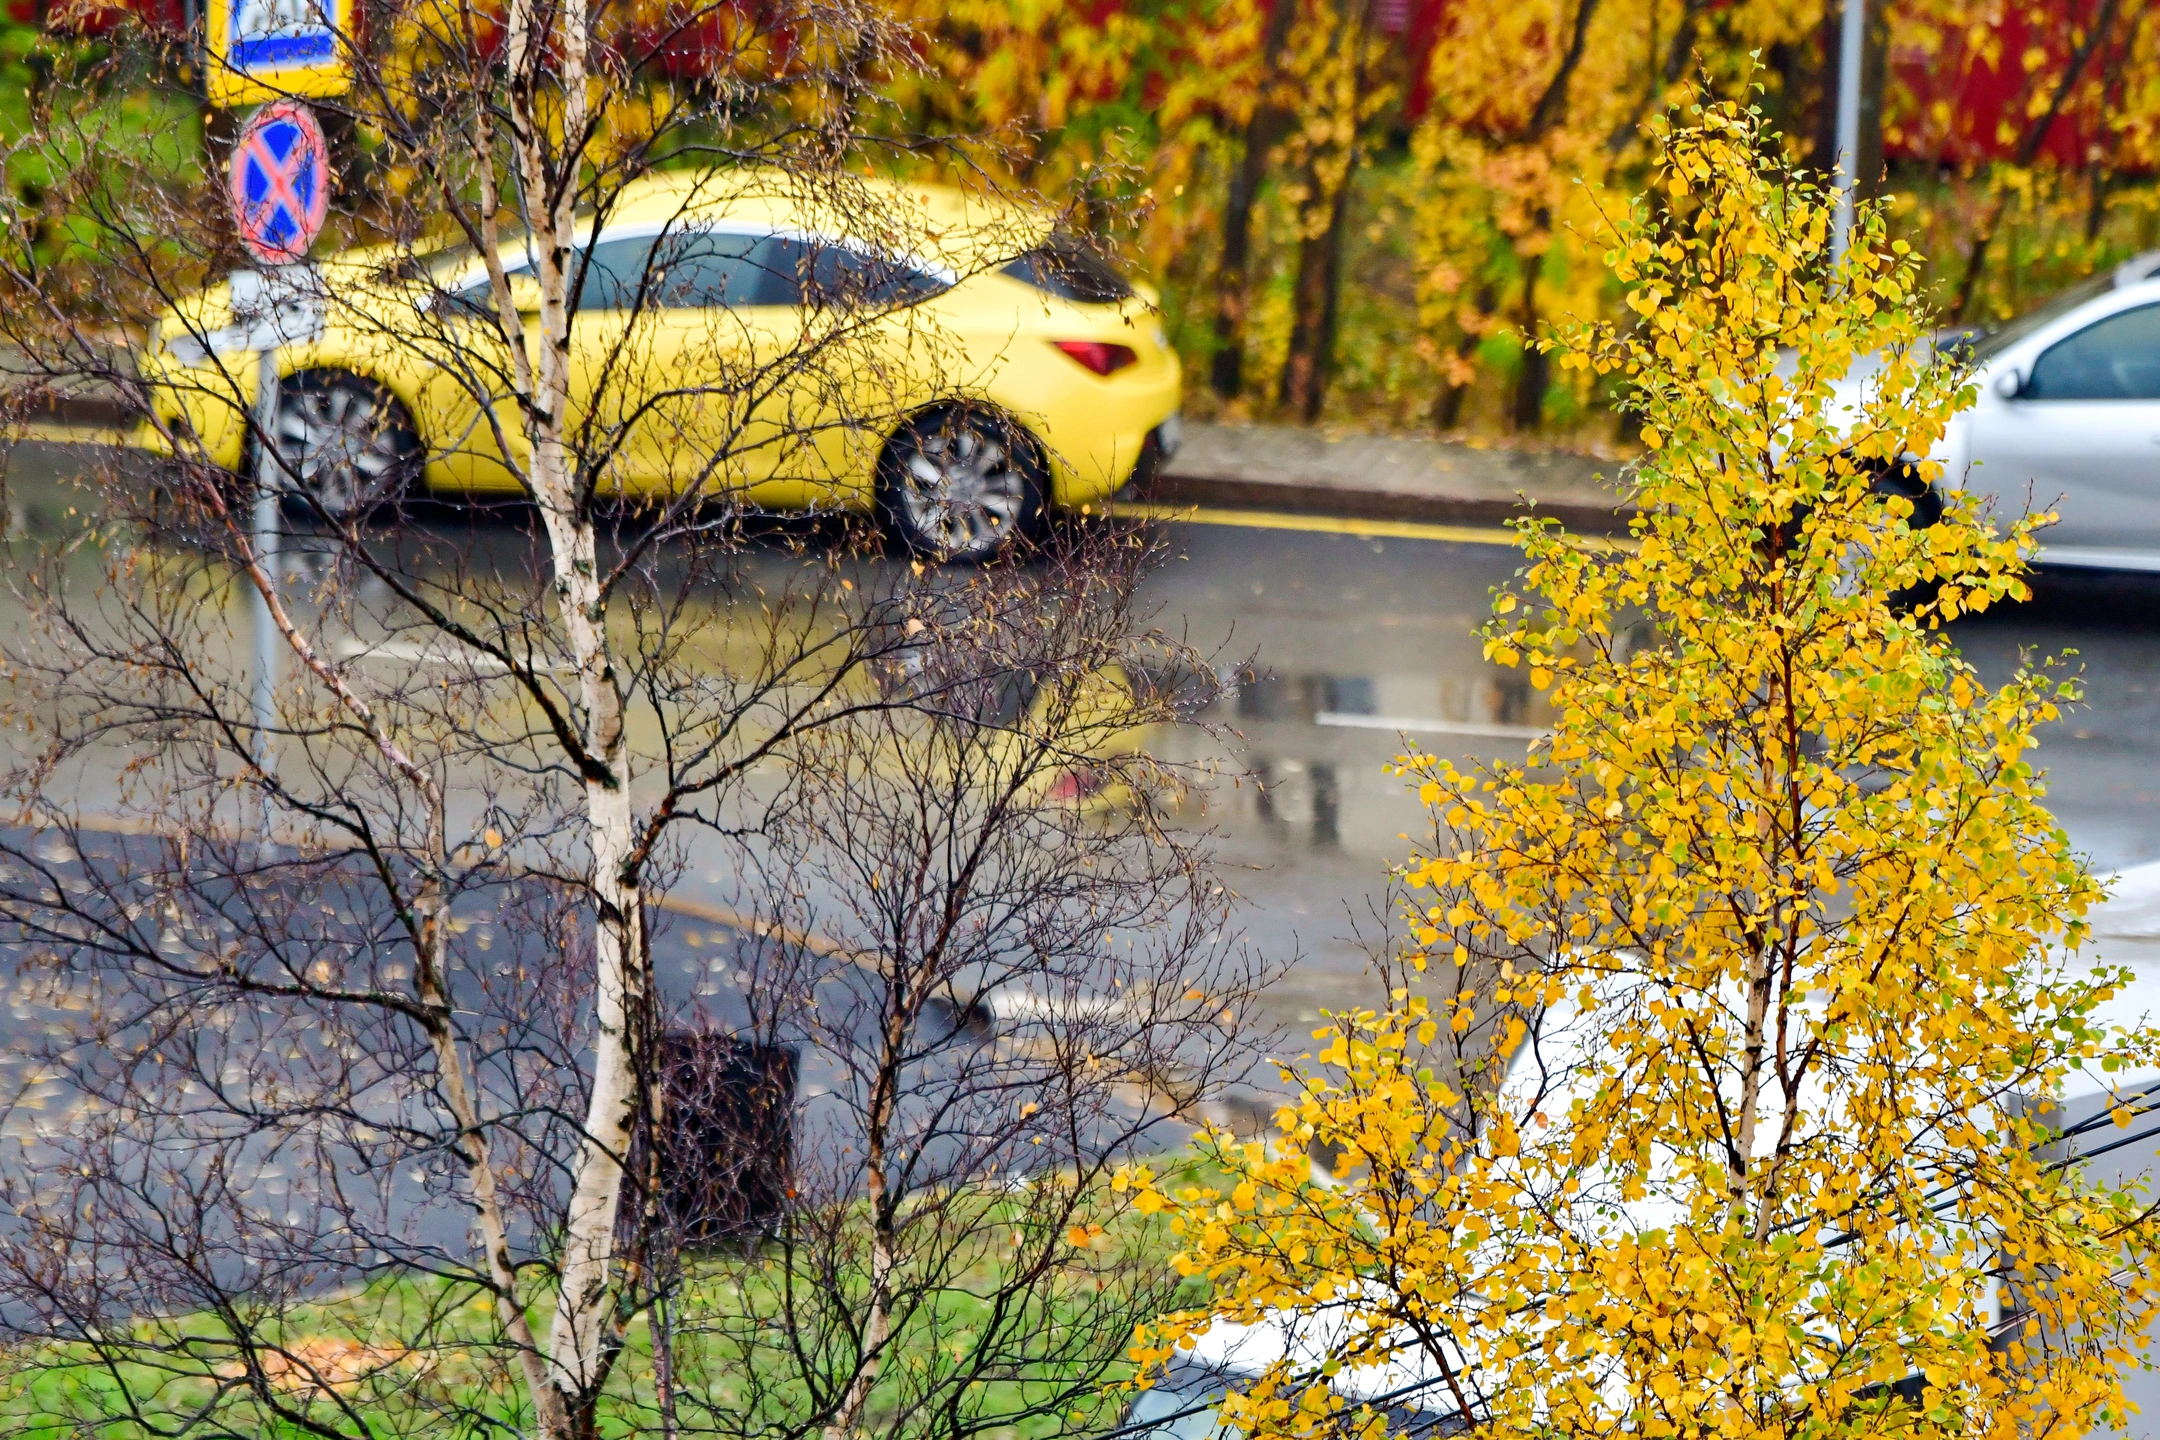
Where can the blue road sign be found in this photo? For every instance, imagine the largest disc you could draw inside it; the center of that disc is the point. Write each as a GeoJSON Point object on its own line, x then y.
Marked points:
{"type": "Point", "coordinates": [262, 50]}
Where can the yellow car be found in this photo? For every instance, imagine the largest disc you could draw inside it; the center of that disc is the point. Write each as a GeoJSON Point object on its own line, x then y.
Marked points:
{"type": "Point", "coordinates": [884, 352]}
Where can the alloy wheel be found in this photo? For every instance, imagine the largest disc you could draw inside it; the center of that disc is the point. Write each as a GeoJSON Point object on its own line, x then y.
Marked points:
{"type": "Point", "coordinates": [342, 443]}
{"type": "Point", "coordinates": [962, 490]}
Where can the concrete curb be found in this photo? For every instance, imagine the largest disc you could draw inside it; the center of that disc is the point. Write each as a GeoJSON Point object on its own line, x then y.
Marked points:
{"type": "Point", "coordinates": [84, 412]}
{"type": "Point", "coordinates": [1374, 477]}
{"type": "Point", "coordinates": [1326, 498]}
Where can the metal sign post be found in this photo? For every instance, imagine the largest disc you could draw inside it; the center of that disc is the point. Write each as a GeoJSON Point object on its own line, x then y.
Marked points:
{"type": "Point", "coordinates": [280, 192]}
{"type": "Point", "coordinates": [1852, 38]}
{"type": "Point", "coordinates": [263, 694]}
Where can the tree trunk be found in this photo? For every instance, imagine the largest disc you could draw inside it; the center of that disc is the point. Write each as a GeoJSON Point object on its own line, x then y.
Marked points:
{"type": "Point", "coordinates": [1535, 377]}
{"type": "Point", "coordinates": [582, 1337]}
{"type": "Point", "coordinates": [1233, 278]}
{"type": "Point", "coordinates": [1822, 147]}
{"type": "Point", "coordinates": [1677, 55]}
{"type": "Point", "coordinates": [2095, 202]}
{"type": "Point", "coordinates": [1447, 409]}
{"type": "Point", "coordinates": [2029, 147]}
{"type": "Point", "coordinates": [1314, 304]}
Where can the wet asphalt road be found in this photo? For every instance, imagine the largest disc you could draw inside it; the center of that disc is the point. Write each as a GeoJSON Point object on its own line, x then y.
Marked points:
{"type": "Point", "coordinates": [1358, 640]}
{"type": "Point", "coordinates": [1343, 645]}
{"type": "Point", "coordinates": [1346, 643]}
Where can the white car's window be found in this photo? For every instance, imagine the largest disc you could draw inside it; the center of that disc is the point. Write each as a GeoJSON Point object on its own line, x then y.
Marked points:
{"type": "Point", "coordinates": [1992, 341]}
{"type": "Point", "coordinates": [2113, 359]}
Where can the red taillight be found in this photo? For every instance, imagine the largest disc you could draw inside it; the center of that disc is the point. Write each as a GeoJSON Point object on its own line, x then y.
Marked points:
{"type": "Point", "coordinates": [1078, 783]}
{"type": "Point", "coordinates": [1099, 356]}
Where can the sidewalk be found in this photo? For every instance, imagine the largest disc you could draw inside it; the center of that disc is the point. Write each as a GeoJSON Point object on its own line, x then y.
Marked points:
{"type": "Point", "coordinates": [1375, 477]}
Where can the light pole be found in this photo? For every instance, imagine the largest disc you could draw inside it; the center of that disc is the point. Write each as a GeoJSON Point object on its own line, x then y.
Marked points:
{"type": "Point", "coordinates": [1851, 38]}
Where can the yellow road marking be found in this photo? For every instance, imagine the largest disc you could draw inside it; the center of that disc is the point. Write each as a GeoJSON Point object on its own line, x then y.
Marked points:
{"type": "Point", "coordinates": [55, 431]}
{"type": "Point", "coordinates": [1343, 525]}
{"type": "Point", "coordinates": [735, 920]}
{"type": "Point", "coordinates": [1322, 524]}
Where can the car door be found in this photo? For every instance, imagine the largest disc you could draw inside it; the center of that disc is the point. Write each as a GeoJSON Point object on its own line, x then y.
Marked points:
{"type": "Point", "coordinates": [854, 362]}
{"type": "Point", "coordinates": [2082, 434]}
{"type": "Point", "coordinates": [475, 433]}
{"type": "Point", "coordinates": [664, 361]}
{"type": "Point", "coordinates": [742, 362]}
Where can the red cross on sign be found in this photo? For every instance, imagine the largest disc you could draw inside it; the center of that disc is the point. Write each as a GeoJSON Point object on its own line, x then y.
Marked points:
{"type": "Point", "coordinates": [280, 182]}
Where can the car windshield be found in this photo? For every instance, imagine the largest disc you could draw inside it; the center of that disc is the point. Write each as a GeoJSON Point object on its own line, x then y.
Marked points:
{"type": "Point", "coordinates": [1989, 343]}
{"type": "Point", "coordinates": [1172, 1414]}
{"type": "Point", "coordinates": [1175, 1415]}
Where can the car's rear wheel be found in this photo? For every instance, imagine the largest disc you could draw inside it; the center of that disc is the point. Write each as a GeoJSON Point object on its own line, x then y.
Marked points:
{"type": "Point", "coordinates": [346, 447]}
{"type": "Point", "coordinates": [961, 484]}
{"type": "Point", "coordinates": [1904, 480]}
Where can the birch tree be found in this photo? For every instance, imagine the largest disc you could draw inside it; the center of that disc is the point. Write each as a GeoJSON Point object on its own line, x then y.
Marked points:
{"type": "Point", "coordinates": [365, 988]}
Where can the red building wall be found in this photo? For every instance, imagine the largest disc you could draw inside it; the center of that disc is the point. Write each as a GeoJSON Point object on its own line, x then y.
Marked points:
{"type": "Point", "coordinates": [1960, 109]}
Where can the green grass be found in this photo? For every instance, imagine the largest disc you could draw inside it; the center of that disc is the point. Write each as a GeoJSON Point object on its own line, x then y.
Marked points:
{"type": "Point", "coordinates": [410, 1356]}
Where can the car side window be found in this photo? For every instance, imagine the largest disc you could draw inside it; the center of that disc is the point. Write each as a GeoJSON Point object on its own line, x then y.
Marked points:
{"type": "Point", "coordinates": [700, 269]}
{"type": "Point", "coordinates": [696, 271]}
{"type": "Point", "coordinates": [2113, 359]}
{"type": "Point", "coordinates": [1069, 268]}
{"type": "Point", "coordinates": [478, 297]}
{"type": "Point", "coordinates": [614, 271]}
{"type": "Point", "coordinates": [688, 270]}
{"type": "Point", "coordinates": [800, 272]}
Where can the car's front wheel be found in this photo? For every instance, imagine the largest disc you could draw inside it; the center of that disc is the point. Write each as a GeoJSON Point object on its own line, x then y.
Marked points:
{"type": "Point", "coordinates": [345, 446]}
{"type": "Point", "coordinates": [961, 484]}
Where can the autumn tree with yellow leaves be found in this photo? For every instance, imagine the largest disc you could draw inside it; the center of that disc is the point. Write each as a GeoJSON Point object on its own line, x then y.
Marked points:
{"type": "Point", "coordinates": [1703, 1100]}
{"type": "Point", "coordinates": [1540, 113]}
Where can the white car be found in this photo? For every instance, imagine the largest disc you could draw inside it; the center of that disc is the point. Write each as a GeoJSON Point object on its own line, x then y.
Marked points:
{"type": "Point", "coordinates": [1413, 1394]}
{"type": "Point", "coordinates": [2068, 419]}
{"type": "Point", "coordinates": [1551, 1070]}
{"type": "Point", "coordinates": [1547, 1072]}
{"type": "Point", "coordinates": [2127, 933]}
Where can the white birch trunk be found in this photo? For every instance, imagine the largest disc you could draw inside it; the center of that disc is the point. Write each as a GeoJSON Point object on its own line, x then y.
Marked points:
{"type": "Point", "coordinates": [552, 58]}
{"type": "Point", "coordinates": [581, 1333]}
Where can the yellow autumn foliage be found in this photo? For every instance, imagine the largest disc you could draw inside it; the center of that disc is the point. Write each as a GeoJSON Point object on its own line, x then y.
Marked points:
{"type": "Point", "coordinates": [1776, 930]}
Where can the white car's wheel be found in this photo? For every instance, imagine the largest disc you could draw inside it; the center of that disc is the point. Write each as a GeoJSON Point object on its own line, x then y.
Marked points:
{"type": "Point", "coordinates": [961, 485]}
{"type": "Point", "coordinates": [345, 446]}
